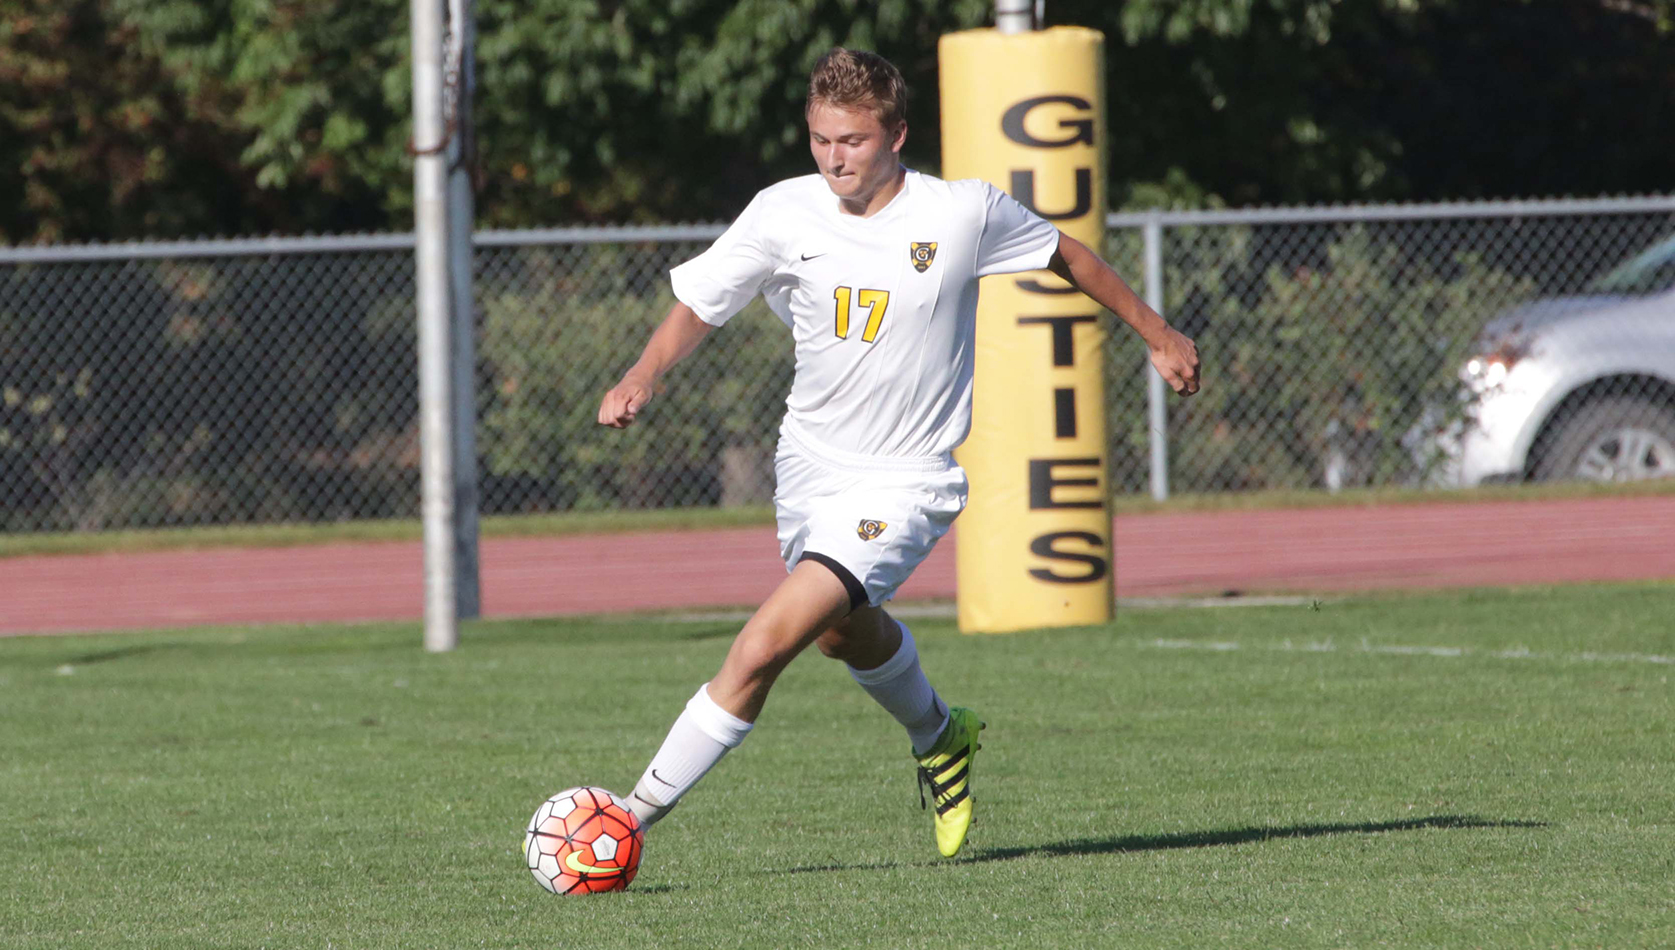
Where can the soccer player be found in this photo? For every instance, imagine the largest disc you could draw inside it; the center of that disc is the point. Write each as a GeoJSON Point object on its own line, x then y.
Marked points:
{"type": "Point", "coordinates": [874, 268]}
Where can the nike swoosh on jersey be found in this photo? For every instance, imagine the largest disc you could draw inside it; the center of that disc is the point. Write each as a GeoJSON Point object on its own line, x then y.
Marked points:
{"type": "Point", "coordinates": [574, 862]}
{"type": "Point", "coordinates": [810, 257]}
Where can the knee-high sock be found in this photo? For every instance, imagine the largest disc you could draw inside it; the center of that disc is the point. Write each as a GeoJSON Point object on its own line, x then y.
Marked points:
{"type": "Point", "coordinates": [699, 738]}
{"type": "Point", "coordinates": [900, 686]}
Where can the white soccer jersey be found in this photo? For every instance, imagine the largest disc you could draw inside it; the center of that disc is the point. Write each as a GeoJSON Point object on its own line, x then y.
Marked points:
{"type": "Point", "coordinates": [883, 309]}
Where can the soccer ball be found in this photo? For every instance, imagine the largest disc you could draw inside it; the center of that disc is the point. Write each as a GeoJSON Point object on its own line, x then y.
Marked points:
{"type": "Point", "coordinates": [583, 841]}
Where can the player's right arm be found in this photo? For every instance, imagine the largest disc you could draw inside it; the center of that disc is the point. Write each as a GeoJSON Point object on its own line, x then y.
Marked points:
{"type": "Point", "coordinates": [678, 335]}
{"type": "Point", "coordinates": [710, 289]}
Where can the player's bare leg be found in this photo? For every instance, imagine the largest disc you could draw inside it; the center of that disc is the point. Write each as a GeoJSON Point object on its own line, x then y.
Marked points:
{"type": "Point", "coordinates": [804, 605]}
{"type": "Point", "coordinates": [865, 640]}
{"type": "Point", "coordinates": [722, 712]}
{"type": "Point", "coordinates": [883, 658]}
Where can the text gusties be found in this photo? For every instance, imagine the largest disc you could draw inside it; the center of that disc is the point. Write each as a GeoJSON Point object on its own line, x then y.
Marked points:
{"type": "Point", "coordinates": [1078, 557]}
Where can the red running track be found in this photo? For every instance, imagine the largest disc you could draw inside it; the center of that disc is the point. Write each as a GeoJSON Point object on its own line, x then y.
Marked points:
{"type": "Point", "coordinates": [1309, 550]}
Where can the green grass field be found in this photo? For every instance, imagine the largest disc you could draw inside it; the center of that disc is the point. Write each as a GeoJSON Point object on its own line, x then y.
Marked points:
{"type": "Point", "coordinates": [1483, 769]}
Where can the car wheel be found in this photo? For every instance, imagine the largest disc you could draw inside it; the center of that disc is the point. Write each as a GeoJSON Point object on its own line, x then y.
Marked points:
{"type": "Point", "coordinates": [1611, 440]}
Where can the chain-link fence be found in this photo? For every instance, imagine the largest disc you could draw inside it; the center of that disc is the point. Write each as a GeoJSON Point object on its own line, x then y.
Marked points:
{"type": "Point", "coordinates": [224, 382]}
{"type": "Point", "coordinates": [1445, 344]}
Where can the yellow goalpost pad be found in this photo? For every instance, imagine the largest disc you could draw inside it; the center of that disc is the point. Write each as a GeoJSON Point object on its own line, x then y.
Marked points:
{"type": "Point", "coordinates": [1026, 113]}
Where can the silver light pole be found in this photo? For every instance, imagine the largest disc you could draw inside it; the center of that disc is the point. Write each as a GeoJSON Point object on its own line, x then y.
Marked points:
{"type": "Point", "coordinates": [430, 225]}
{"type": "Point", "coordinates": [1015, 16]}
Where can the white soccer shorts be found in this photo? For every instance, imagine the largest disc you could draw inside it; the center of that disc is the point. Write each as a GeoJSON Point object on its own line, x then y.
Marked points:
{"type": "Point", "coordinates": [870, 519]}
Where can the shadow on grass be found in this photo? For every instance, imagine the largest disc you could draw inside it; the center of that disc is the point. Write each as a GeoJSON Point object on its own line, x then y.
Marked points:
{"type": "Point", "coordinates": [1191, 839]}
{"type": "Point", "coordinates": [713, 633]}
{"type": "Point", "coordinates": [658, 889]}
{"type": "Point", "coordinates": [379, 638]}
{"type": "Point", "coordinates": [105, 656]}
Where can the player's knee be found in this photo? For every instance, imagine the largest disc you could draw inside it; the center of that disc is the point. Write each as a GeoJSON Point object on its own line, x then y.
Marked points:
{"type": "Point", "coordinates": [761, 660]}
{"type": "Point", "coordinates": [837, 643]}
{"type": "Point", "coordinates": [764, 651]}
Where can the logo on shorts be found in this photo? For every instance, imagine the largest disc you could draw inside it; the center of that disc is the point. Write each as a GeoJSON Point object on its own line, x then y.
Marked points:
{"type": "Point", "coordinates": [869, 529]}
{"type": "Point", "coordinates": [922, 255]}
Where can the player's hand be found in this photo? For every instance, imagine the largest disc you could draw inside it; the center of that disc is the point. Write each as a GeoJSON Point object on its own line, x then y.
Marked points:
{"type": "Point", "coordinates": [624, 402]}
{"type": "Point", "coordinates": [1175, 357]}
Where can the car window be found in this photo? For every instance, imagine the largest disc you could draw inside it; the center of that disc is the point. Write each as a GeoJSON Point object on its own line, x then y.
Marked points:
{"type": "Point", "coordinates": [1649, 272]}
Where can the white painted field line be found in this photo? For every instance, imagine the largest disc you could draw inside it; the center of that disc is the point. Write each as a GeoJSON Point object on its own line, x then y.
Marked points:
{"type": "Point", "coordinates": [1412, 650]}
{"type": "Point", "coordinates": [1626, 658]}
{"type": "Point", "coordinates": [1241, 600]}
{"type": "Point", "coordinates": [1194, 645]}
{"type": "Point", "coordinates": [1396, 649]}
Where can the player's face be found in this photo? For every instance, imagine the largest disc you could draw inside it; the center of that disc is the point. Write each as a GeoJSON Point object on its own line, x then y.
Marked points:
{"type": "Point", "coordinates": [856, 154]}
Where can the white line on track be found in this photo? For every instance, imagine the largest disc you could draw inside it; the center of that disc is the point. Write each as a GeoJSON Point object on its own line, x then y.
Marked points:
{"type": "Point", "coordinates": [1447, 652]}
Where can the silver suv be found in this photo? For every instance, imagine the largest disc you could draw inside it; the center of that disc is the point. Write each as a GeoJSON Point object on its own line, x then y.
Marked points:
{"type": "Point", "coordinates": [1579, 387]}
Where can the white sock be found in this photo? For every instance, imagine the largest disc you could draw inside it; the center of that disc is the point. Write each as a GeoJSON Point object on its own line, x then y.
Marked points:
{"type": "Point", "coordinates": [699, 738]}
{"type": "Point", "coordinates": [900, 686]}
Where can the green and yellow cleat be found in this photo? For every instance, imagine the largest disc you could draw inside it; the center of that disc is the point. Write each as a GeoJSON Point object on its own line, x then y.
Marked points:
{"type": "Point", "coordinates": [946, 768]}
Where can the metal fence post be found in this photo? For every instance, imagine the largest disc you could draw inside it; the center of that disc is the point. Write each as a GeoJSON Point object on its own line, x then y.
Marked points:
{"type": "Point", "coordinates": [462, 160]}
{"type": "Point", "coordinates": [1155, 392]}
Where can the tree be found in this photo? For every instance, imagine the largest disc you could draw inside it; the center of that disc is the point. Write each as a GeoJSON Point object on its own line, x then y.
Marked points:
{"type": "Point", "coordinates": [101, 139]}
{"type": "Point", "coordinates": [124, 118]}
{"type": "Point", "coordinates": [1261, 102]}
{"type": "Point", "coordinates": [586, 111]}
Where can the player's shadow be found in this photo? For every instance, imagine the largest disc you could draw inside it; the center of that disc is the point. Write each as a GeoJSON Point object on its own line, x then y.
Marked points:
{"type": "Point", "coordinates": [1200, 839]}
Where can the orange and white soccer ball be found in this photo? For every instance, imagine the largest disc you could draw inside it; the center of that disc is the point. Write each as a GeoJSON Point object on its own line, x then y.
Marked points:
{"type": "Point", "coordinates": [583, 841]}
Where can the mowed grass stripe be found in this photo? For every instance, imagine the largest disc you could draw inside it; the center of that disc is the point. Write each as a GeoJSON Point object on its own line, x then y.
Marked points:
{"type": "Point", "coordinates": [335, 785]}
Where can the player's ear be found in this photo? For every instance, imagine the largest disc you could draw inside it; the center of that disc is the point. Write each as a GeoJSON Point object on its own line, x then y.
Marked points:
{"type": "Point", "coordinates": [898, 136]}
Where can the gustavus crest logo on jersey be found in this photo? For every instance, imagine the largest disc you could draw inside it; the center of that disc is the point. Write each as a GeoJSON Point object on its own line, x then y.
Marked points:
{"type": "Point", "coordinates": [869, 529]}
{"type": "Point", "coordinates": [922, 255]}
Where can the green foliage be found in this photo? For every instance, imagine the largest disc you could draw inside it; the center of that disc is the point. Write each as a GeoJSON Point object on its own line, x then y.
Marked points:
{"type": "Point", "coordinates": [1341, 360]}
{"type": "Point", "coordinates": [319, 90]}
{"type": "Point", "coordinates": [94, 142]}
{"type": "Point", "coordinates": [125, 118]}
{"type": "Point", "coordinates": [1265, 102]}
{"type": "Point", "coordinates": [642, 109]}
{"type": "Point", "coordinates": [550, 358]}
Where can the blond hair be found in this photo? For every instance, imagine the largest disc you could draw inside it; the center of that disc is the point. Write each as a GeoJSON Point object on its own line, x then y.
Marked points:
{"type": "Point", "coordinates": [856, 80]}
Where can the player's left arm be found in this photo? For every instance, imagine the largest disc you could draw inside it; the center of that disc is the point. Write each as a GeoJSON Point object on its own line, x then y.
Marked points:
{"type": "Point", "coordinates": [1172, 352]}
